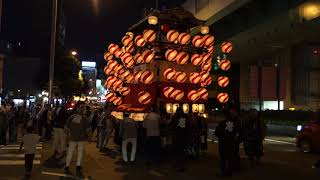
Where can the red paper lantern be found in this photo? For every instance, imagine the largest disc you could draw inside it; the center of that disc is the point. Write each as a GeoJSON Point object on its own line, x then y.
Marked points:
{"type": "Point", "coordinates": [169, 73]}
{"type": "Point", "coordinates": [130, 79]}
{"type": "Point", "coordinates": [137, 76]}
{"type": "Point", "coordinates": [181, 77]}
{"type": "Point", "coordinates": [196, 59]}
{"type": "Point", "coordinates": [193, 95]}
{"type": "Point", "coordinates": [177, 94]}
{"type": "Point", "coordinates": [165, 28]}
{"type": "Point", "coordinates": [110, 81]}
{"type": "Point", "coordinates": [124, 91]}
{"type": "Point", "coordinates": [112, 48]}
{"type": "Point", "coordinates": [223, 97]}
{"type": "Point", "coordinates": [138, 58]}
{"type": "Point", "coordinates": [171, 54]}
{"type": "Point", "coordinates": [118, 53]}
{"type": "Point", "coordinates": [208, 40]}
{"type": "Point", "coordinates": [206, 82]}
{"type": "Point", "coordinates": [223, 81]}
{"type": "Point", "coordinates": [107, 56]}
{"type": "Point", "coordinates": [127, 59]}
{"type": "Point", "coordinates": [204, 75]}
{"type": "Point", "coordinates": [172, 35]}
{"type": "Point", "coordinates": [144, 97]}
{"type": "Point", "coordinates": [117, 85]}
{"type": "Point", "coordinates": [126, 40]}
{"type": "Point", "coordinates": [147, 77]}
{"type": "Point", "coordinates": [149, 35]}
{"type": "Point", "coordinates": [119, 69]}
{"type": "Point", "coordinates": [182, 58]}
{"type": "Point", "coordinates": [148, 56]}
{"type": "Point", "coordinates": [203, 93]}
{"type": "Point", "coordinates": [117, 101]}
{"type": "Point", "coordinates": [167, 91]}
{"type": "Point", "coordinates": [210, 49]}
{"type": "Point", "coordinates": [225, 65]}
{"type": "Point", "coordinates": [226, 47]}
{"type": "Point", "coordinates": [184, 38]}
{"type": "Point", "coordinates": [129, 48]}
{"type": "Point", "coordinates": [129, 34]}
{"type": "Point", "coordinates": [197, 41]}
{"type": "Point", "coordinates": [110, 96]}
{"type": "Point", "coordinates": [206, 67]}
{"type": "Point", "coordinates": [207, 58]}
{"type": "Point", "coordinates": [107, 71]}
{"type": "Point", "coordinates": [194, 78]}
{"type": "Point", "coordinates": [140, 41]}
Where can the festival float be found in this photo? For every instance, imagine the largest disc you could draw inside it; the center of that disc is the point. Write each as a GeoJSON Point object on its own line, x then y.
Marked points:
{"type": "Point", "coordinates": [160, 62]}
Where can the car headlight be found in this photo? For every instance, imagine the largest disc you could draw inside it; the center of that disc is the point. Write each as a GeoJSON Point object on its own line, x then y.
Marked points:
{"type": "Point", "coordinates": [299, 127]}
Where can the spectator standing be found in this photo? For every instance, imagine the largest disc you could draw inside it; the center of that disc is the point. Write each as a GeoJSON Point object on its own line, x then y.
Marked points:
{"type": "Point", "coordinates": [42, 119]}
{"type": "Point", "coordinates": [59, 123]}
{"type": "Point", "coordinates": [12, 122]}
{"type": "Point", "coordinates": [78, 127]}
{"type": "Point", "coordinates": [129, 133]}
{"type": "Point", "coordinates": [152, 125]}
{"type": "Point", "coordinates": [3, 126]}
{"type": "Point", "coordinates": [204, 135]}
{"type": "Point", "coordinates": [106, 126]}
{"type": "Point", "coordinates": [29, 141]}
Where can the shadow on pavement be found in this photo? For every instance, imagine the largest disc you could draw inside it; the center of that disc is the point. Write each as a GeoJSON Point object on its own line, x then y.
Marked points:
{"type": "Point", "coordinates": [53, 163]}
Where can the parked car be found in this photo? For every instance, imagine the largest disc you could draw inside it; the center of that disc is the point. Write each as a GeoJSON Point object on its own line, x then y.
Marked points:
{"type": "Point", "coordinates": [308, 139]}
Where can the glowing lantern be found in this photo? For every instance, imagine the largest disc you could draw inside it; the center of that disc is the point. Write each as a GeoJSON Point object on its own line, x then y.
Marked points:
{"type": "Point", "coordinates": [196, 59]}
{"type": "Point", "coordinates": [184, 38]}
{"type": "Point", "coordinates": [117, 85]}
{"type": "Point", "coordinates": [124, 91]}
{"type": "Point", "coordinates": [130, 79]}
{"type": "Point", "coordinates": [110, 96]}
{"type": "Point", "coordinates": [147, 77]}
{"type": "Point", "coordinates": [194, 78]}
{"type": "Point", "coordinates": [223, 97]}
{"type": "Point", "coordinates": [206, 82]}
{"type": "Point", "coordinates": [112, 48]}
{"type": "Point", "coordinates": [197, 41]}
{"type": "Point", "coordinates": [167, 91]}
{"type": "Point", "coordinates": [204, 75]}
{"type": "Point", "coordinates": [208, 40]}
{"type": "Point", "coordinates": [181, 77]}
{"type": "Point", "coordinates": [169, 73]}
{"type": "Point", "coordinates": [165, 28]}
{"type": "Point", "coordinates": [206, 58]}
{"type": "Point", "coordinates": [152, 20]}
{"type": "Point", "coordinates": [130, 34]}
{"type": "Point", "coordinates": [107, 56]}
{"type": "Point", "coordinates": [144, 97]}
{"type": "Point", "coordinates": [137, 76]}
{"type": "Point", "coordinates": [193, 95]}
{"type": "Point", "coordinates": [171, 54]}
{"type": "Point", "coordinates": [182, 58]}
{"type": "Point", "coordinates": [148, 55]}
{"type": "Point", "coordinates": [107, 71]}
{"type": "Point", "coordinates": [223, 81]}
{"type": "Point", "coordinates": [126, 40]}
{"type": "Point", "coordinates": [206, 67]}
{"type": "Point", "coordinates": [172, 35]}
{"type": "Point", "coordinates": [204, 29]}
{"type": "Point", "coordinates": [177, 94]}
{"type": "Point", "coordinates": [110, 81]}
{"type": "Point", "coordinates": [119, 69]}
{"type": "Point", "coordinates": [138, 58]}
{"type": "Point", "coordinates": [118, 53]}
{"type": "Point", "coordinates": [112, 64]}
{"type": "Point", "coordinates": [129, 48]}
{"type": "Point", "coordinates": [226, 47]}
{"type": "Point", "coordinates": [203, 93]}
{"type": "Point", "coordinates": [225, 65]}
{"type": "Point", "coordinates": [210, 49]}
{"type": "Point", "coordinates": [139, 41]}
{"type": "Point", "coordinates": [127, 59]}
{"type": "Point", "coordinates": [117, 101]}
{"type": "Point", "coordinates": [149, 35]}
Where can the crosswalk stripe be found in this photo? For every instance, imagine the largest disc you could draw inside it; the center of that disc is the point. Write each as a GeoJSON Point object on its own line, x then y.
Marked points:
{"type": "Point", "coordinates": [17, 156]}
{"type": "Point", "coordinates": [16, 148]}
{"type": "Point", "coordinates": [17, 162]}
{"type": "Point", "coordinates": [18, 145]}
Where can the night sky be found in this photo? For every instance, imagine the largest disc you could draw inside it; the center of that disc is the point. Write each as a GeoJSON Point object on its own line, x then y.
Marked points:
{"type": "Point", "coordinates": [91, 24]}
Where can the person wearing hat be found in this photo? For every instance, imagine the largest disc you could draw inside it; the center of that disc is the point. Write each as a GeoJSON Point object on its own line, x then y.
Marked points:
{"type": "Point", "coordinates": [128, 132]}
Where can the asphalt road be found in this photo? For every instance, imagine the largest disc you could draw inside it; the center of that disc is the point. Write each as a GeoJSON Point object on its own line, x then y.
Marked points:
{"type": "Point", "coordinates": [281, 161]}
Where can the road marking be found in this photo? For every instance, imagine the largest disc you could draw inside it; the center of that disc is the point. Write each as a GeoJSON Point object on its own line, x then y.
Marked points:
{"type": "Point", "coordinates": [281, 142]}
{"type": "Point", "coordinates": [17, 148]}
{"type": "Point", "coordinates": [17, 162]}
{"type": "Point", "coordinates": [63, 175]}
{"type": "Point", "coordinates": [17, 156]}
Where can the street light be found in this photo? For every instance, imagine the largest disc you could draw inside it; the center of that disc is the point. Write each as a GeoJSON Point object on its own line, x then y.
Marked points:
{"type": "Point", "coordinates": [74, 53]}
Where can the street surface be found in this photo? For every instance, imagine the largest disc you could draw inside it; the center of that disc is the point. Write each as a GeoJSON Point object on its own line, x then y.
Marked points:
{"type": "Point", "coordinates": [281, 161]}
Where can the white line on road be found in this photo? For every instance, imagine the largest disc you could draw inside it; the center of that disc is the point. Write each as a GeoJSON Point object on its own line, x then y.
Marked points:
{"type": "Point", "coordinates": [17, 156]}
{"type": "Point", "coordinates": [63, 175]}
{"type": "Point", "coordinates": [16, 148]}
{"type": "Point", "coordinates": [281, 142]}
{"type": "Point", "coordinates": [17, 162]}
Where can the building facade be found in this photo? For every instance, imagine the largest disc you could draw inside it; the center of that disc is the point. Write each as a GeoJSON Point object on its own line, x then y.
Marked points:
{"type": "Point", "coordinates": [276, 46]}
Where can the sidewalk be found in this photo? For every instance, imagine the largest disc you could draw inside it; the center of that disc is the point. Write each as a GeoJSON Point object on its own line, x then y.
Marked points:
{"type": "Point", "coordinates": [101, 166]}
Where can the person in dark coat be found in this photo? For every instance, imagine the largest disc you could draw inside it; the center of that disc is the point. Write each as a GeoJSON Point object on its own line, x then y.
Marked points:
{"type": "Point", "coordinates": [254, 133]}
{"type": "Point", "coordinates": [227, 132]}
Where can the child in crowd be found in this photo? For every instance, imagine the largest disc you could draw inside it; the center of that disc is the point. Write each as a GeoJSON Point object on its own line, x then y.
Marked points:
{"type": "Point", "coordinates": [29, 141]}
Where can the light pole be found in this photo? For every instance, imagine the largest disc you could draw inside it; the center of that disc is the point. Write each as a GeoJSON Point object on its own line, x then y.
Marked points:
{"type": "Point", "coordinates": [52, 46]}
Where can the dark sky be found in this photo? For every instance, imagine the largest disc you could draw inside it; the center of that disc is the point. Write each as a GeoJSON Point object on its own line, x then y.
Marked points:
{"type": "Point", "coordinates": [91, 24]}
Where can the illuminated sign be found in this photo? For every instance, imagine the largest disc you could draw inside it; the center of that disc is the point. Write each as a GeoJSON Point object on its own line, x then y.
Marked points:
{"type": "Point", "coordinates": [88, 64]}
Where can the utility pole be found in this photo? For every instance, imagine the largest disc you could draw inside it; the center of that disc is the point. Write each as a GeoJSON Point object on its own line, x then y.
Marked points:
{"type": "Point", "coordinates": [52, 47]}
